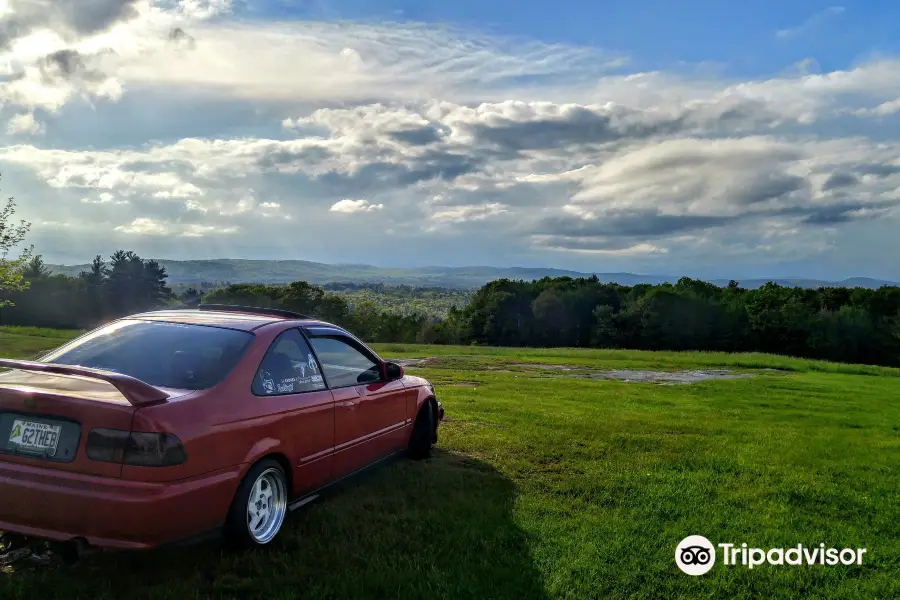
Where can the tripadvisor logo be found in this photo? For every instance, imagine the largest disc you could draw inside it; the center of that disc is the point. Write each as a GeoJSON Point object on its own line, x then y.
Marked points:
{"type": "Point", "coordinates": [696, 555]}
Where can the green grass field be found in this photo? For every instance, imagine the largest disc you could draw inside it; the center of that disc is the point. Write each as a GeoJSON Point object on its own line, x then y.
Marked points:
{"type": "Point", "coordinates": [547, 486]}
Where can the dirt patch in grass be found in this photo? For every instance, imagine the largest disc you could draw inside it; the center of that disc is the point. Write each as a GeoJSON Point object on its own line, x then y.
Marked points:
{"type": "Point", "coordinates": [547, 367]}
{"type": "Point", "coordinates": [640, 376]}
{"type": "Point", "coordinates": [413, 362]}
{"type": "Point", "coordinates": [676, 377]}
{"type": "Point", "coordinates": [575, 372]}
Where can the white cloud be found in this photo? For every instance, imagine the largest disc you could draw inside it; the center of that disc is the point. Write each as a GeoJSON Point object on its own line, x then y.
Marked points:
{"type": "Point", "coordinates": [659, 190]}
{"type": "Point", "coordinates": [104, 198]}
{"type": "Point", "coordinates": [143, 226]}
{"type": "Point", "coordinates": [204, 9]}
{"type": "Point", "coordinates": [344, 61]}
{"type": "Point", "coordinates": [31, 89]}
{"type": "Point", "coordinates": [460, 214]}
{"type": "Point", "coordinates": [245, 204]}
{"type": "Point", "coordinates": [354, 206]}
{"type": "Point", "coordinates": [811, 24]}
{"type": "Point", "coordinates": [196, 230]}
{"type": "Point", "coordinates": [58, 51]}
{"type": "Point", "coordinates": [885, 109]}
{"type": "Point", "coordinates": [24, 124]}
{"type": "Point", "coordinates": [635, 250]}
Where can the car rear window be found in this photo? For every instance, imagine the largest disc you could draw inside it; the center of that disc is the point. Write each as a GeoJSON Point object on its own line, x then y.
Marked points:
{"type": "Point", "coordinates": [173, 355]}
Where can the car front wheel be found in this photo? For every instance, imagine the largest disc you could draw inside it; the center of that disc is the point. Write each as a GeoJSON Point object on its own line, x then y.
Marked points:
{"type": "Point", "coordinates": [423, 433]}
{"type": "Point", "coordinates": [259, 507]}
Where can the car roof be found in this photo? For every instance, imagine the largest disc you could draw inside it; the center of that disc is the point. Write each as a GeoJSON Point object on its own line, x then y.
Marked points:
{"type": "Point", "coordinates": [237, 319]}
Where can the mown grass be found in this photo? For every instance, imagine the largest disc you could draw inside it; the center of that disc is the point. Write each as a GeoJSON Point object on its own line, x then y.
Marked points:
{"type": "Point", "coordinates": [571, 488]}
{"type": "Point", "coordinates": [639, 359]}
{"type": "Point", "coordinates": [29, 342]}
{"type": "Point", "coordinates": [44, 332]}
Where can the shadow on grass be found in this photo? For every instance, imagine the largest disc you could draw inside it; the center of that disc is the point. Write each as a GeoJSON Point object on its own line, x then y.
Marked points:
{"type": "Point", "coordinates": [442, 528]}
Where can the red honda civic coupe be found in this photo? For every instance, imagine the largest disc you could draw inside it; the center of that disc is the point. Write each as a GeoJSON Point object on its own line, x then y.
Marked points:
{"type": "Point", "coordinates": [168, 424]}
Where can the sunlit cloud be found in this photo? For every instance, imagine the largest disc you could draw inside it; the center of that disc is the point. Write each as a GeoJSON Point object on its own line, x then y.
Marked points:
{"type": "Point", "coordinates": [354, 206]}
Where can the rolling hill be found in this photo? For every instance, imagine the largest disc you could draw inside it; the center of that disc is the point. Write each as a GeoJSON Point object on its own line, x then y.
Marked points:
{"type": "Point", "coordinates": [285, 271]}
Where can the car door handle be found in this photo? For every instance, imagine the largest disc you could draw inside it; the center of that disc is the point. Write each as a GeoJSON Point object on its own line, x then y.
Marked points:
{"type": "Point", "coordinates": [352, 403]}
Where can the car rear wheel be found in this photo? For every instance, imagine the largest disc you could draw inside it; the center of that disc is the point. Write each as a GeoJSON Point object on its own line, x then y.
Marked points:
{"type": "Point", "coordinates": [259, 507]}
{"type": "Point", "coordinates": [423, 433]}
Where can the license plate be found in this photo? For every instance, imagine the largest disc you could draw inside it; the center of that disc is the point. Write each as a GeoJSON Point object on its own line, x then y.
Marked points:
{"type": "Point", "coordinates": [33, 436]}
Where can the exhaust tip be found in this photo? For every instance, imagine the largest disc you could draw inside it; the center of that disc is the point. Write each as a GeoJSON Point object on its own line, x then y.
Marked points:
{"type": "Point", "coordinates": [72, 551]}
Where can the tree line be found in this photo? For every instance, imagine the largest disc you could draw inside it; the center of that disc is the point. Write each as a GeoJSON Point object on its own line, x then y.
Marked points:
{"type": "Point", "coordinates": [856, 325]}
{"type": "Point", "coordinates": [124, 284]}
{"type": "Point", "coordinates": [365, 318]}
{"type": "Point", "coordinates": [402, 299]}
{"type": "Point", "coordinates": [127, 284]}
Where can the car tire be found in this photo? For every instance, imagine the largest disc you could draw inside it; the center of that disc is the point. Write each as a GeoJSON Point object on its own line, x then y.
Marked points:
{"type": "Point", "coordinates": [423, 433]}
{"type": "Point", "coordinates": [260, 506]}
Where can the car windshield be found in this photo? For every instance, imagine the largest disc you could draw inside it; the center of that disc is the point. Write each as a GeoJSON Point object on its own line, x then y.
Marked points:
{"type": "Point", "coordinates": [171, 355]}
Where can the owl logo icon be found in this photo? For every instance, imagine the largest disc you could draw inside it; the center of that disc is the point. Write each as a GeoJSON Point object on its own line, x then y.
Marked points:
{"type": "Point", "coordinates": [695, 555]}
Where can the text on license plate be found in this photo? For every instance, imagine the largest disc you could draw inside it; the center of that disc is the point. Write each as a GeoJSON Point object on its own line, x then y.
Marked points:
{"type": "Point", "coordinates": [31, 435]}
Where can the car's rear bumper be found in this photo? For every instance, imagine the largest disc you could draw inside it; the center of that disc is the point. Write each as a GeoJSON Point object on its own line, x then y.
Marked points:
{"type": "Point", "coordinates": [111, 513]}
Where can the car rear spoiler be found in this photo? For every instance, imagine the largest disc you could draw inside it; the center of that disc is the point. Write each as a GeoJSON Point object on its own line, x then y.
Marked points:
{"type": "Point", "coordinates": [137, 392]}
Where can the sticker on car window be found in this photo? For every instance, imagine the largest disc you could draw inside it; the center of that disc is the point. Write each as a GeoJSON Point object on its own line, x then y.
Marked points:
{"type": "Point", "coordinates": [268, 383]}
{"type": "Point", "coordinates": [301, 367]}
{"type": "Point", "coordinates": [291, 385]}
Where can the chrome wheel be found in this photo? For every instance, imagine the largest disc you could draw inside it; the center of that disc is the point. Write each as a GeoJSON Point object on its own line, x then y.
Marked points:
{"type": "Point", "coordinates": [266, 506]}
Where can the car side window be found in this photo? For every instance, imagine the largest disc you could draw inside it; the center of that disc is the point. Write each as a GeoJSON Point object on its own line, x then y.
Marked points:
{"type": "Point", "coordinates": [343, 364]}
{"type": "Point", "coordinates": [289, 367]}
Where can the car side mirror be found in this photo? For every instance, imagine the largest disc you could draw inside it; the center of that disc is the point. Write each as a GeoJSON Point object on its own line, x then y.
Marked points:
{"type": "Point", "coordinates": [392, 371]}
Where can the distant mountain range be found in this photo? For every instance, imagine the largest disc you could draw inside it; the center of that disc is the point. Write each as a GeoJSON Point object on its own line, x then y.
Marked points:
{"type": "Point", "coordinates": [285, 271]}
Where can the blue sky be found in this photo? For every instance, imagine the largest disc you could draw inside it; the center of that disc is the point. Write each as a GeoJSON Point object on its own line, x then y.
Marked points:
{"type": "Point", "coordinates": [742, 37]}
{"type": "Point", "coordinates": [714, 139]}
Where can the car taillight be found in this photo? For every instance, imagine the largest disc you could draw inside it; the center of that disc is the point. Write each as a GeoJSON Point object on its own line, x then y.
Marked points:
{"type": "Point", "coordinates": [135, 448]}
